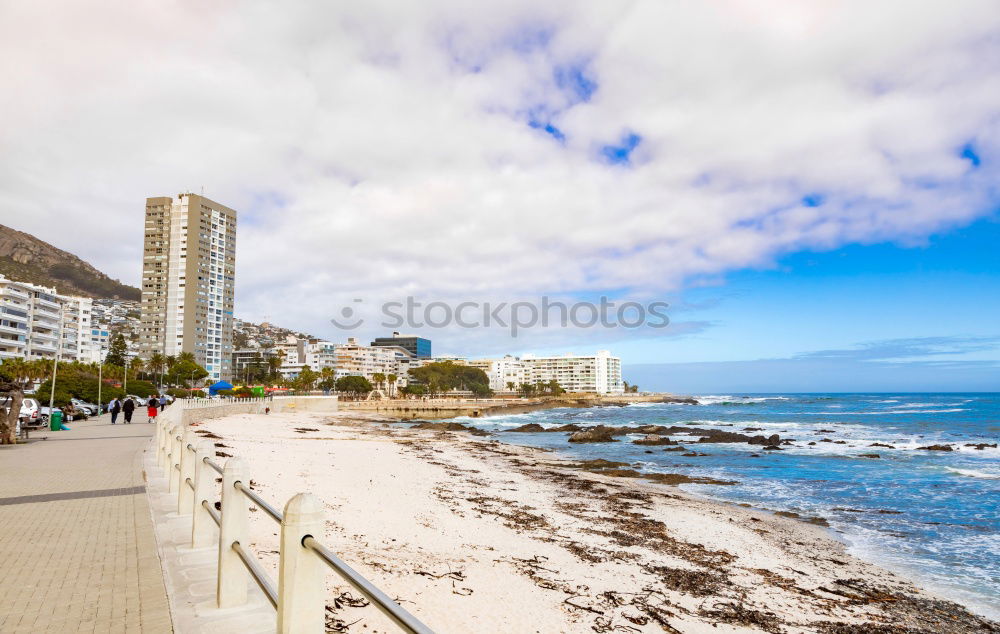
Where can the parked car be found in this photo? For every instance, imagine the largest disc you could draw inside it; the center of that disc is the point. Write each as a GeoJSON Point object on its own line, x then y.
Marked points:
{"type": "Point", "coordinates": [87, 408]}
{"type": "Point", "coordinates": [43, 412]}
{"type": "Point", "coordinates": [30, 415]}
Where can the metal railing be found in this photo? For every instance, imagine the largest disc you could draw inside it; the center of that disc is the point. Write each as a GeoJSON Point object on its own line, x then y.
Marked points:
{"type": "Point", "coordinates": [300, 593]}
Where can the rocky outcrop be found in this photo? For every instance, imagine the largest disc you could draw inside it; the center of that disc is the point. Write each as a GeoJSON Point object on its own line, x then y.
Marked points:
{"type": "Point", "coordinates": [654, 439]}
{"type": "Point", "coordinates": [981, 445]}
{"type": "Point", "coordinates": [596, 434]}
{"type": "Point", "coordinates": [475, 431]}
{"type": "Point", "coordinates": [937, 448]}
{"type": "Point", "coordinates": [529, 428]}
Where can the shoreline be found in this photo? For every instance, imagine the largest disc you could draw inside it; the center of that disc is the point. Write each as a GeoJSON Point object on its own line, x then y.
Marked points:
{"type": "Point", "coordinates": [582, 550]}
{"type": "Point", "coordinates": [445, 408]}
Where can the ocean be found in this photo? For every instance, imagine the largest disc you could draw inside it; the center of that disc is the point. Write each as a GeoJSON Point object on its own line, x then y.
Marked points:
{"type": "Point", "coordinates": [933, 516]}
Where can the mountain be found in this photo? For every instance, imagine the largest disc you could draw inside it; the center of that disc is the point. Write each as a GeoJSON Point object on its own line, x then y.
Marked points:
{"type": "Point", "coordinates": [25, 258]}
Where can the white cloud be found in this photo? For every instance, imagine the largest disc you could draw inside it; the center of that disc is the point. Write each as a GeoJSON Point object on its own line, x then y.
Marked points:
{"type": "Point", "coordinates": [382, 149]}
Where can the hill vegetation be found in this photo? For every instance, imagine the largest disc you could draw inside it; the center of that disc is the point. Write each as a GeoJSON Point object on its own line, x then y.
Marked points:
{"type": "Point", "coordinates": [25, 258]}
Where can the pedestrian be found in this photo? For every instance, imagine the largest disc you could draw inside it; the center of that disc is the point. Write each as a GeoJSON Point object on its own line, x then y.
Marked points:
{"type": "Point", "coordinates": [151, 408]}
{"type": "Point", "coordinates": [128, 406]}
{"type": "Point", "coordinates": [115, 407]}
{"type": "Point", "coordinates": [163, 402]}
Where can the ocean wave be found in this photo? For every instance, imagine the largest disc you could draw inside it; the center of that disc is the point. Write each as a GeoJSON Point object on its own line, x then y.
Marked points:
{"type": "Point", "coordinates": [974, 473]}
{"type": "Point", "coordinates": [728, 399]}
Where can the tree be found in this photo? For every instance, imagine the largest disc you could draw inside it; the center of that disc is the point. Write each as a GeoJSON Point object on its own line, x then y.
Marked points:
{"type": "Point", "coordinates": [354, 385]}
{"type": "Point", "coordinates": [379, 379]}
{"type": "Point", "coordinates": [184, 371]}
{"type": "Point", "coordinates": [117, 351]}
{"type": "Point", "coordinates": [12, 398]}
{"type": "Point", "coordinates": [392, 384]}
{"type": "Point", "coordinates": [327, 379]}
{"type": "Point", "coordinates": [446, 376]}
{"type": "Point", "coordinates": [156, 364]}
{"type": "Point", "coordinates": [306, 379]}
{"type": "Point", "coordinates": [511, 386]}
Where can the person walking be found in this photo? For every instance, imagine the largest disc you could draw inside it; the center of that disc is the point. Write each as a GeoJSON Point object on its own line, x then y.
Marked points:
{"type": "Point", "coordinates": [128, 406]}
{"type": "Point", "coordinates": [115, 407]}
{"type": "Point", "coordinates": [151, 407]}
{"type": "Point", "coordinates": [163, 402]}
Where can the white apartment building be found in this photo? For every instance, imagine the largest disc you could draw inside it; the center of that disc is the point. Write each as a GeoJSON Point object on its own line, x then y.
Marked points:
{"type": "Point", "coordinates": [36, 323]}
{"type": "Point", "coordinates": [600, 372]}
{"type": "Point", "coordinates": [188, 279]}
{"type": "Point", "coordinates": [509, 369]}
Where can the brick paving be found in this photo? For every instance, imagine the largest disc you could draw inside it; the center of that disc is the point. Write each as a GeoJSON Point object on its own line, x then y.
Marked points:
{"type": "Point", "coordinates": [77, 548]}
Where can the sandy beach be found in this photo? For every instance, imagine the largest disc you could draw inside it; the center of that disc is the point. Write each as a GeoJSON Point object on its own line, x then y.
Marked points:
{"type": "Point", "coordinates": [472, 535]}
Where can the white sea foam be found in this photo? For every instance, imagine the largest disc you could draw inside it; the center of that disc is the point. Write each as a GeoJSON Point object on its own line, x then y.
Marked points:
{"type": "Point", "coordinates": [975, 473]}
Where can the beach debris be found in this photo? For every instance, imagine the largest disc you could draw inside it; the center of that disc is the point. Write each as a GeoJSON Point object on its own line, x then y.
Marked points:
{"type": "Point", "coordinates": [223, 454]}
{"type": "Point", "coordinates": [737, 614]}
{"type": "Point", "coordinates": [303, 430]}
{"type": "Point", "coordinates": [937, 448]}
{"type": "Point", "coordinates": [222, 446]}
{"type": "Point", "coordinates": [204, 433]}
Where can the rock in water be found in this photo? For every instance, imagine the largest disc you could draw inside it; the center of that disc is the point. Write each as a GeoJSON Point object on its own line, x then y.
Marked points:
{"type": "Point", "coordinates": [937, 448]}
{"type": "Point", "coordinates": [597, 434]}
{"type": "Point", "coordinates": [653, 439]}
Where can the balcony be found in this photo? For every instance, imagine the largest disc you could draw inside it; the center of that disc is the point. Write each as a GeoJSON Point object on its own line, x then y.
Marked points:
{"type": "Point", "coordinates": [12, 342]}
{"type": "Point", "coordinates": [37, 346]}
{"type": "Point", "coordinates": [45, 303]}
{"type": "Point", "coordinates": [15, 293]}
{"type": "Point", "coordinates": [13, 330]}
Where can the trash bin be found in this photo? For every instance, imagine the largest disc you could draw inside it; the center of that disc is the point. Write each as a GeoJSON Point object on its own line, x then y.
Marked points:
{"type": "Point", "coordinates": [55, 421]}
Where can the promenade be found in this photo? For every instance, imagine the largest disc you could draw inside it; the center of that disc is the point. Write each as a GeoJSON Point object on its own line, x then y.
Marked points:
{"type": "Point", "coordinates": [77, 551]}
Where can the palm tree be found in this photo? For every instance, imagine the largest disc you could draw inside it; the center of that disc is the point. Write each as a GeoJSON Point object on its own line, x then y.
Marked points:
{"type": "Point", "coordinates": [156, 365]}
{"type": "Point", "coordinates": [392, 384]}
{"type": "Point", "coordinates": [379, 379]}
{"type": "Point", "coordinates": [511, 386]}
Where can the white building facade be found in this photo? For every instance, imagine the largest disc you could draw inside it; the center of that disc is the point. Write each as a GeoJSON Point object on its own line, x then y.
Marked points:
{"type": "Point", "coordinates": [600, 373]}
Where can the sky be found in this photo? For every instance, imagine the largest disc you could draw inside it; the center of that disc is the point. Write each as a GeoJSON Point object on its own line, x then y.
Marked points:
{"type": "Point", "coordinates": [812, 187]}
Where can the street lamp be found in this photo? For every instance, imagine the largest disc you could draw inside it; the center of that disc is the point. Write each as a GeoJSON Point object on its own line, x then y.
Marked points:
{"type": "Point", "coordinates": [55, 362]}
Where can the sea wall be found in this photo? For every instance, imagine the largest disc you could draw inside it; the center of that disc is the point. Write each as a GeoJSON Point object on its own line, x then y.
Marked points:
{"type": "Point", "coordinates": [207, 409]}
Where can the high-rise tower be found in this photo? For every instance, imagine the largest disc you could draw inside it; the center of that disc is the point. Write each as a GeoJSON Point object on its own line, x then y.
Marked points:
{"type": "Point", "coordinates": [188, 277]}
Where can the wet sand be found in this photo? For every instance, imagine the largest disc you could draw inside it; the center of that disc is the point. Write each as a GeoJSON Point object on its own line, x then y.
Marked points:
{"type": "Point", "coordinates": [473, 535]}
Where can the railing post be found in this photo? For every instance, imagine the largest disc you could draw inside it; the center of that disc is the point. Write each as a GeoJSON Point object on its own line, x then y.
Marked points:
{"type": "Point", "coordinates": [231, 589]}
{"type": "Point", "coordinates": [301, 591]}
{"type": "Point", "coordinates": [161, 457]}
{"type": "Point", "coordinates": [175, 456]}
{"type": "Point", "coordinates": [185, 494]}
{"type": "Point", "coordinates": [202, 524]}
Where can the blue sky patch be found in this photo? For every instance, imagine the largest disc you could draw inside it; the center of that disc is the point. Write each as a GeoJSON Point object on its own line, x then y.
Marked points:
{"type": "Point", "coordinates": [620, 154]}
{"type": "Point", "coordinates": [969, 153]}
{"type": "Point", "coordinates": [573, 81]}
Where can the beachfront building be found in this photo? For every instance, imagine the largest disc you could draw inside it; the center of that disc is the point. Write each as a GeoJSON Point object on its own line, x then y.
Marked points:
{"type": "Point", "coordinates": [504, 371]}
{"type": "Point", "coordinates": [600, 373]}
{"type": "Point", "coordinates": [37, 323]}
{"type": "Point", "coordinates": [188, 277]}
{"type": "Point", "coordinates": [417, 347]}
{"type": "Point", "coordinates": [15, 298]}
{"type": "Point", "coordinates": [353, 358]}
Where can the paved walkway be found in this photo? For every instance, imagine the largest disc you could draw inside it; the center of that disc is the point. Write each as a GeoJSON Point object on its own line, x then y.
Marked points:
{"type": "Point", "coordinates": [77, 552]}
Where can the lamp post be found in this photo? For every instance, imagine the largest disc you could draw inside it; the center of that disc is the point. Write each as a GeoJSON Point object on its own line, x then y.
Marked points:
{"type": "Point", "coordinates": [125, 382]}
{"type": "Point", "coordinates": [55, 362]}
